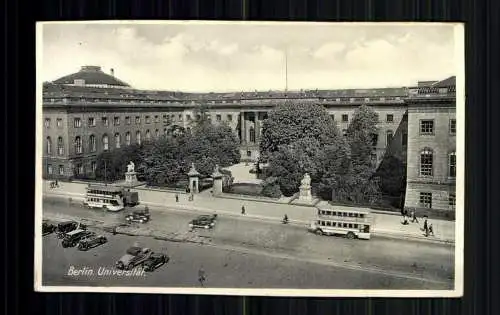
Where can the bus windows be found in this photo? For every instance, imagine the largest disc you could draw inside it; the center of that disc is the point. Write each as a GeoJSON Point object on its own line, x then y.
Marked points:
{"type": "Point", "coordinates": [367, 229]}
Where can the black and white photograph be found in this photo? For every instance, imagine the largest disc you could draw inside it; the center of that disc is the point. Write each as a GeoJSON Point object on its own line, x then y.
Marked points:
{"type": "Point", "coordinates": [250, 158]}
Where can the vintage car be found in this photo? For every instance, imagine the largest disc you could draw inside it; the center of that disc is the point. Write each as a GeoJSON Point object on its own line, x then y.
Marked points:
{"type": "Point", "coordinates": [155, 261]}
{"type": "Point", "coordinates": [91, 241]}
{"type": "Point", "coordinates": [203, 221]}
{"type": "Point", "coordinates": [72, 238]}
{"type": "Point", "coordinates": [137, 217]}
{"type": "Point", "coordinates": [67, 226]}
{"type": "Point", "coordinates": [134, 257]}
{"type": "Point", "coordinates": [142, 212]}
{"type": "Point", "coordinates": [47, 228]}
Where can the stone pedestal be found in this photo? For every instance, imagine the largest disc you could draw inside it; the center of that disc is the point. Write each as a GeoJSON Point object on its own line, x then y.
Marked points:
{"type": "Point", "coordinates": [130, 178]}
{"type": "Point", "coordinates": [305, 193]}
{"type": "Point", "coordinates": [217, 185]}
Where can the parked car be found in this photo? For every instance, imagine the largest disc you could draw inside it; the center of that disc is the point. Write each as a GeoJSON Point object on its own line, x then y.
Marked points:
{"type": "Point", "coordinates": [155, 261]}
{"type": "Point", "coordinates": [203, 221]}
{"type": "Point", "coordinates": [134, 257]}
{"type": "Point", "coordinates": [67, 226]}
{"type": "Point", "coordinates": [47, 228]}
{"type": "Point", "coordinates": [91, 241]}
{"type": "Point", "coordinates": [137, 217]}
{"type": "Point", "coordinates": [72, 238]}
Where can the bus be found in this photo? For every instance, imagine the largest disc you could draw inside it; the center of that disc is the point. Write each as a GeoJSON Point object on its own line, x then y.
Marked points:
{"type": "Point", "coordinates": [104, 197]}
{"type": "Point", "coordinates": [346, 221]}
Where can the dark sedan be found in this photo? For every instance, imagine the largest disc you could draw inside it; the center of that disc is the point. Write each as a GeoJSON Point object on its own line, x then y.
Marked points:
{"type": "Point", "coordinates": [155, 261]}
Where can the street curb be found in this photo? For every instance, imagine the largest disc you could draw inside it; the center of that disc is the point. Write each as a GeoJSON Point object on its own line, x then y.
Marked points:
{"type": "Point", "coordinates": [262, 218]}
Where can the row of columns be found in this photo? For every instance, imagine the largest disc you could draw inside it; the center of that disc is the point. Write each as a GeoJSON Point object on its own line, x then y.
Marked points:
{"type": "Point", "coordinates": [245, 127]}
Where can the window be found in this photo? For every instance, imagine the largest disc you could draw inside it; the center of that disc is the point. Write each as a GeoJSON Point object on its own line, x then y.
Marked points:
{"type": "Point", "coordinates": [345, 118]}
{"type": "Point", "coordinates": [117, 140]}
{"type": "Point", "coordinates": [148, 135]}
{"type": "Point", "coordinates": [78, 122]}
{"type": "Point", "coordinates": [61, 169]}
{"type": "Point", "coordinates": [453, 126]}
{"type": "Point", "coordinates": [49, 169]}
{"type": "Point", "coordinates": [138, 137]}
{"type": "Point", "coordinates": [249, 153]}
{"type": "Point", "coordinates": [91, 121]}
{"type": "Point", "coordinates": [373, 158]}
{"type": "Point", "coordinates": [188, 117]}
{"type": "Point", "coordinates": [452, 200]}
{"type": "Point", "coordinates": [426, 199]}
{"type": "Point", "coordinates": [148, 120]}
{"type": "Point", "coordinates": [49, 146]}
{"type": "Point", "coordinates": [198, 117]}
{"type": "Point", "coordinates": [230, 117]}
{"type": "Point", "coordinates": [426, 157]}
{"type": "Point", "coordinates": [92, 143]}
{"type": "Point", "coordinates": [47, 122]}
{"type": "Point", "coordinates": [180, 117]}
{"type": "Point", "coordinates": [127, 120]}
{"type": "Point", "coordinates": [157, 133]}
{"type": "Point", "coordinates": [404, 139]}
{"type": "Point", "coordinates": [374, 139]}
{"type": "Point", "coordinates": [452, 164]}
{"type": "Point", "coordinates": [188, 129]}
{"type": "Point", "coordinates": [93, 166]}
{"type": "Point", "coordinates": [117, 121]}
{"type": "Point", "coordinates": [332, 116]}
{"type": "Point", "coordinates": [105, 121]}
{"type": "Point", "coordinates": [427, 127]}
{"type": "Point", "coordinates": [389, 135]}
{"type": "Point", "coordinates": [127, 138]}
{"type": "Point", "coordinates": [59, 123]}
{"type": "Point", "coordinates": [218, 117]}
{"type": "Point", "coordinates": [252, 134]}
{"type": "Point", "coordinates": [78, 145]}
{"type": "Point", "coordinates": [60, 146]}
{"type": "Point", "coordinates": [79, 169]}
{"type": "Point", "coordinates": [105, 143]}
{"type": "Point", "coordinates": [165, 131]}
{"type": "Point", "coordinates": [137, 120]}
{"type": "Point", "coordinates": [157, 119]}
{"type": "Point", "coordinates": [389, 118]}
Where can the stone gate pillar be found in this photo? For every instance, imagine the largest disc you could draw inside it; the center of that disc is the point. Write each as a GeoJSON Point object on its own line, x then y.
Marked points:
{"type": "Point", "coordinates": [217, 177]}
{"type": "Point", "coordinates": [194, 178]}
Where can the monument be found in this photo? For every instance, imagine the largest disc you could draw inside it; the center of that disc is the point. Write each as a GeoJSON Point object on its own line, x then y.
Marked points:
{"type": "Point", "coordinates": [305, 188]}
{"type": "Point", "coordinates": [194, 178]}
{"type": "Point", "coordinates": [131, 174]}
{"type": "Point", "coordinates": [217, 184]}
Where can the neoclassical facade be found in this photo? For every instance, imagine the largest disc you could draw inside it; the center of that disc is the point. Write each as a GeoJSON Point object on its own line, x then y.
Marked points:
{"type": "Point", "coordinates": [89, 112]}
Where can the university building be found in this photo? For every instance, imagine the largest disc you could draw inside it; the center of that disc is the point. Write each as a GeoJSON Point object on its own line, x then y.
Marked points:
{"type": "Point", "coordinates": [90, 112]}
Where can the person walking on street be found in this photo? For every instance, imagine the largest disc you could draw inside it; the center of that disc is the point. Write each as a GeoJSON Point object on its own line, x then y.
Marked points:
{"type": "Point", "coordinates": [426, 227]}
{"type": "Point", "coordinates": [201, 276]}
{"type": "Point", "coordinates": [176, 197]}
{"type": "Point", "coordinates": [414, 216]}
{"type": "Point", "coordinates": [430, 230]}
{"type": "Point", "coordinates": [243, 210]}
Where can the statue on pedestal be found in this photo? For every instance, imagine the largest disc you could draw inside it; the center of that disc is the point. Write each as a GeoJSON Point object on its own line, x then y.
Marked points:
{"type": "Point", "coordinates": [306, 181]}
{"type": "Point", "coordinates": [131, 167]}
{"type": "Point", "coordinates": [130, 175]}
{"type": "Point", "coordinates": [305, 188]}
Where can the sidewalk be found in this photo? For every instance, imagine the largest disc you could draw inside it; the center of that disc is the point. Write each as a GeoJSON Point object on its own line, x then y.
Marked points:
{"type": "Point", "coordinates": [387, 225]}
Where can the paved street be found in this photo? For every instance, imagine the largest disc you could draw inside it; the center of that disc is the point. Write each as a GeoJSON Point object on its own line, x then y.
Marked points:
{"type": "Point", "coordinates": [287, 256]}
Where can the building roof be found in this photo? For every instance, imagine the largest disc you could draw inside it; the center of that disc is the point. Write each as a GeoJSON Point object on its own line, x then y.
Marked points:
{"type": "Point", "coordinates": [91, 75]}
{"type": "Point", "coordinates": [451, 81]}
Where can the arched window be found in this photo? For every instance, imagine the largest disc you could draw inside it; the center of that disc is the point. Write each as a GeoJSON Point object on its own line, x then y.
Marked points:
{"type": "Point", "coordinates": [452, 164]}
{"type": "Point", "coordinates": [157, 133]}
{"type": "Point", "coordinates": [148, 135]}
{"type": "Point", "coordinates": [426, 162]}
{"type": "Point", "coordinates": [188, 129]}
{"type": "Point", "coordinates": [49, 146]}
{"type": "Point", "coordinates": [127, 138]}
{"type": "Point", "coordinates": [252, 134]}
{"type": "Point", "coordinates": [78, 145]}
{"type": "Point", "coordinates": [105, 143]}
{"type": "Point", "coordinates": [138, 137]}
{"type": "Point", "coordinates": [388, 137]}
{"type": "Point", "coordinates": [117, 140]}
{"type": "Point", "coordinates": [60, 146]}
{"type": "Point", "coordinates": [165, 131]}
{"type": "Point", "coordinates": [92, 143]}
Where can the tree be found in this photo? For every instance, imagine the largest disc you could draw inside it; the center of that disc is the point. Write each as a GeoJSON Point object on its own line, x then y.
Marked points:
{"type": "Point", "coordinates": [290, 122]}
{"type": "Point", "coordinates": [392, 174]}
{"type": "Point", "coordinates": [112, 165]}
{"type": "Point", "coordinates": [358, 184]}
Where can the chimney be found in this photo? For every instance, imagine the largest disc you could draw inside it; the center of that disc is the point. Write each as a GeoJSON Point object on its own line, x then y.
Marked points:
{"type": "Point", "coordinates": [112, 72]}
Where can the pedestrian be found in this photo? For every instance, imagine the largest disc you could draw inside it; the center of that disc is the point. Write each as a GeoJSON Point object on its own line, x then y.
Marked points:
{"type": "Point", "coordinates": [426, 227]}
{"type": "Point", "coordinates": [243, 210]}
{"type": "Point", "coordinates": [57, 183]}
{"type": "Point", "coordinates": [114, 230]}
{"type": "Point", "coordinates": [176, 197]}
{"type": "Point", "coordinates": [414, 216]}
{"type": "Point", "coordinates": [201, 276]}
{"type": "Point", "coordinates": [431, 230]}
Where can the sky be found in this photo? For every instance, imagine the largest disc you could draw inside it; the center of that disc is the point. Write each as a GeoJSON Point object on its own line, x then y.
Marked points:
{"type": "Point", "coordinates": [202, 57]}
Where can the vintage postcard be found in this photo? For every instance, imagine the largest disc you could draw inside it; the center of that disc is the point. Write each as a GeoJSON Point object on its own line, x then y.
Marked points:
{"type": "Point", "coordinates": [250, 158]}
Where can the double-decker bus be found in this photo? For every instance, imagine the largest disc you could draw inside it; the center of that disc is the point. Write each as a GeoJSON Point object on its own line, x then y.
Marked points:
{"type": "Point", "coordinates": [102, 196]}
{"type": "Point", "coordinates": [340, 220]}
